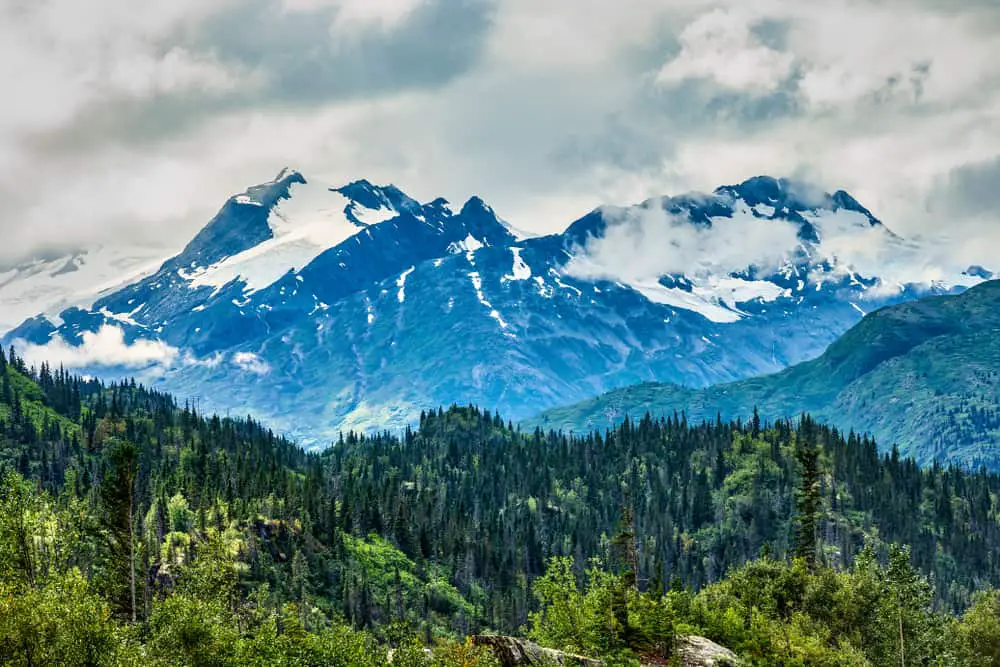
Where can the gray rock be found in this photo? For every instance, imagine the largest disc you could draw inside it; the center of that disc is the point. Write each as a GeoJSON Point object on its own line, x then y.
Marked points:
{"type": "Point", "coordinates": [692, 651]}
{"type": "Point", "coordinates": [696, 651]}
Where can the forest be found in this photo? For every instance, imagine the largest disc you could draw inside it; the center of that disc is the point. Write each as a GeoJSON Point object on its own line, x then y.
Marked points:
{"type": "Point", "coordinates": [134, 530]}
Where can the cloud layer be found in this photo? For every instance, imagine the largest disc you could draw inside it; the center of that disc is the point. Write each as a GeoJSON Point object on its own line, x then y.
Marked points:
{"type": "Point", "coordinates": [644, 243]}
{"type": "Point", "coordinates": [641, 244]}
{"type": "Point", "coordinates": [106, 347]}
{"type": "Point", "coordinates": [130, 121]}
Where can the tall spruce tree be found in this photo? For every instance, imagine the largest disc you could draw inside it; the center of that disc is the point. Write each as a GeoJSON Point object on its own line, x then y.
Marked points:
{"type": "Point", "coordinates": [808, 500]}
{"type": "Point", "coordinates": [118, 504]}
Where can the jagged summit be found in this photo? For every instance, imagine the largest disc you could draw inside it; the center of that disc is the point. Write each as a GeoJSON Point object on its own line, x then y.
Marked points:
{"type": "Point", "coordinates": [287, 173]}
{"type": "Point", "coordinates": [760, 197]}
{"type": "Point", "coordinates": [977, 271]}
{"type": "Point", "coordinates": [270, 193]}
{"type": "Point", "coordinates": [375, 197]}
{"type": "Point", "coordinates": [240, 224]}
{"type": "Point", "coordinates": [790, 196]}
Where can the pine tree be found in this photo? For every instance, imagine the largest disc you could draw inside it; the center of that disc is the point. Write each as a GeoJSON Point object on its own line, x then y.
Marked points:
{"type": "Point", "coordinates": [808, 501]}
{"type": "Point", "coordinates": [118, 502]}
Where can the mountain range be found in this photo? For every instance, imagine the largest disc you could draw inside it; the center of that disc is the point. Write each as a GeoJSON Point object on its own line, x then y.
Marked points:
{"type": "Point", "coordinates": [324, 308]}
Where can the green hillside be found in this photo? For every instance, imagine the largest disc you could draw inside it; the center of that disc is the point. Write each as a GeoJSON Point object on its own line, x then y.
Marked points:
{"type": "Point", "coordinates": [924, 376]}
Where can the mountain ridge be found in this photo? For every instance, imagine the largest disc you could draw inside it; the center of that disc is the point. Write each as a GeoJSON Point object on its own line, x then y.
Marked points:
{"type": "Point", "coordinates": [364, 306]}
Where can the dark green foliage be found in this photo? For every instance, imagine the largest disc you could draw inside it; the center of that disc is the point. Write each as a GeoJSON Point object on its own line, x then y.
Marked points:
{"type": "Point", "coordinates": [117, 494]}
{"type": "Point", "coordinates": [807, 454]}
{"type": "Point", "coordinates": [496, 504]}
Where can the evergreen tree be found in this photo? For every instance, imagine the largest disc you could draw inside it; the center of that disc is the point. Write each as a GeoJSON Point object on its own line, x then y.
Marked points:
{"type": "Point", "coordinates": [118, 504]}
{"type": "Point", "coordinates": [808, 501]}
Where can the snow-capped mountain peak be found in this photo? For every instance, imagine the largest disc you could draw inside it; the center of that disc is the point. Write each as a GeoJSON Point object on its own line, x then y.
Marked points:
{"type": "Point", "coordinates": [304, 218]}
{"type": "Point", "coordinates": [756, 242]}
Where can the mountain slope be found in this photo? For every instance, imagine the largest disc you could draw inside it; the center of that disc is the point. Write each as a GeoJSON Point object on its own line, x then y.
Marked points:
{"type": "Point", "coordinates": [322, 308]}
{"type": "Point", "coordinates": [924, 375]}
{"type": "Point", "coordinates": [50, 284]}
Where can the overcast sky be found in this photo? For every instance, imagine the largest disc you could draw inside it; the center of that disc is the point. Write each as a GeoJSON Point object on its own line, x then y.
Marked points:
{"type": "Point", "coordinates": [132, 120]}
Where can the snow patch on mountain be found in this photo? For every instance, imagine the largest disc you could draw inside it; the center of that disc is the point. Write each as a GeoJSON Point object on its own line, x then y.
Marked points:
{"type": "Point", "coordinates": [477, 285]}
{"type": "Point", "coordinates": [520, 270]}
{"type": "Point", "coordinates": [469, 244]}
{"type": "Point", "coordinates": [247, 200]}
{"type": "Point", "coordinates": [737, 290]}
{"type": "Point", "coordinates": [312, 219]}
{"type": "Point", "coordinates": [369, 216]}
{"type": "Point", "coordinates": [713, 309]}
{"type": "Point", "coordinates": [401, 284]}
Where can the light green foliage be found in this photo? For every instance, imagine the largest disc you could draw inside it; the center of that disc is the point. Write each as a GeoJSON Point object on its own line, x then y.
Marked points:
{"type": "Point", "coordinates": [979, 631]}
{"type": "Point", "coordinates": [584, 620]}
{"type": "Point", "coordinates": [337, 646]}
{"type": "Point", "coordinates": [461, 654]}
{"type": "Point", "coordinates": [188, 631]}
{"type": "Point", "coordinates": [181, 516]}
{"type": "Point", "coordinates": [390, 575]}
{"type": "Point", "coordinates": [22, 516]}
{"type": "Point", "coordinates": [772, 612]}
{"type": "Point", "coordinates": [58, 623]}
{"type": "Point", "coordinates": [564, 621]}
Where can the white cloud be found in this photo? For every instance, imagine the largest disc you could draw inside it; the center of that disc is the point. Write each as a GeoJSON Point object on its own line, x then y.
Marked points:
{"type": "Point", "coordinates": [106, 347]}
{"type": "Point", "coordinates": [351, 19]}
{"type": "Point", "coordinates": [385, 13]}
{"type": "Point", "coordinates": [720, 46]}
{"type": "Point", "coordinates": [251, 363]}
{"type": "Point", "coordinates": [59, 56]}
{"type": "Point", "coordinates": [179, 70]}
{"type": "Point", "coordinates": [590, 34]}
{"type": "Point", "coordinates": [212, 361]}
{"type": "Point", "coordinates": [644, 243]}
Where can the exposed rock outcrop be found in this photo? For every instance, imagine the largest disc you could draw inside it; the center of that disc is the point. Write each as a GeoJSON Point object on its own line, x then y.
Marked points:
{"type": "Point", "coordinates": [515, 652]}
{"type": "Point", "coordinates": [692, 651]}
{"type": "Point", "coordinates": [696, 651]}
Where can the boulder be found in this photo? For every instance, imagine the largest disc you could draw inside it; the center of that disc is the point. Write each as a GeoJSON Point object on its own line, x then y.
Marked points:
{"type": "Point", "coordinates": [696, 651]}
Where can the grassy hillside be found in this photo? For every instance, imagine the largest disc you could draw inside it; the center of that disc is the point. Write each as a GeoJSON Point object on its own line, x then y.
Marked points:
{"type": "Point", "coordinates": [923, 375]}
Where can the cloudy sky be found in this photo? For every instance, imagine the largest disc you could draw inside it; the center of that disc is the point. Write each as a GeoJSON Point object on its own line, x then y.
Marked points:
{"type": "Point", "coordinates": [132, 120]}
